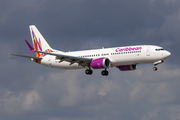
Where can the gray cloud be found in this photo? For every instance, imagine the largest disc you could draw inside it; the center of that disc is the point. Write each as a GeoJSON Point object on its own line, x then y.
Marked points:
{"type": "Point", "coordinates": [30, 91]}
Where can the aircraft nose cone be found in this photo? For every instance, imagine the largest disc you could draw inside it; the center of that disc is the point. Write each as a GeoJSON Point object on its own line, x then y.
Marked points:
{"type": "Point", "coordinates": [168, 54]}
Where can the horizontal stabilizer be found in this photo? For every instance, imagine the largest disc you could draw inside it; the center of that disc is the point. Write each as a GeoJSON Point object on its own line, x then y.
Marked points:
{"type": "Point", "coordinates": [37, 58]}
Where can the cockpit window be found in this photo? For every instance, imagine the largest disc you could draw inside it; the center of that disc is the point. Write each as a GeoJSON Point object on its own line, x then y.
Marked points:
{"type": "Point", "coordinates": [159, 49]}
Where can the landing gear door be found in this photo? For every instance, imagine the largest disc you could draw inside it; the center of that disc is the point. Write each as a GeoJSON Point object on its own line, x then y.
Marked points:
{"type": "Point", "coordinates": [148, 51]}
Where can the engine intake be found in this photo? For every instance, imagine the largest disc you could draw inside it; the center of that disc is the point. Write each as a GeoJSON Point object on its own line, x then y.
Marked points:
{"type": "Point", "coordinates": [127, 67]}
{"type": "Point", "coordinates": [100, 63]}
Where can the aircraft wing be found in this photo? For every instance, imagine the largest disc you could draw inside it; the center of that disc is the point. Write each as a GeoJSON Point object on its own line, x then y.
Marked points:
{"type": "Point", "coordinates": [72, 59]}
{"type": "Point", "coordinates": [37, 58]}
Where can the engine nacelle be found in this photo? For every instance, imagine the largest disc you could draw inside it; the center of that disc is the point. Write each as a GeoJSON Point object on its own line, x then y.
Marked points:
{"type": "Point", "coordinates": [127, 67]}
{"type": "Point", "coordinates": [100, 63]}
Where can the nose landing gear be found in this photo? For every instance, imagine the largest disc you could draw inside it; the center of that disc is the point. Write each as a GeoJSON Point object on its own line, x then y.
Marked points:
{"type": "Point", "coordinates": [155, 68]}
{"type": "Point", "coordinates": [156, 63]}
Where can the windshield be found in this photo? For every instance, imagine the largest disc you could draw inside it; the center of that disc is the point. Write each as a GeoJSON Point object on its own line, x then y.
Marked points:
{"type": "Point", "coordinates": [159, 49]}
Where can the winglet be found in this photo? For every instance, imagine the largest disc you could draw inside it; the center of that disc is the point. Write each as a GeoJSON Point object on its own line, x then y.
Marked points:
{"type": "Point", "coordinates": [30, 47]}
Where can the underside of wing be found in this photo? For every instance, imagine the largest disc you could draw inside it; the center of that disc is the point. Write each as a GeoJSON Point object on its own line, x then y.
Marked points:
{"type": "Point", "coordinates": [72, 59]}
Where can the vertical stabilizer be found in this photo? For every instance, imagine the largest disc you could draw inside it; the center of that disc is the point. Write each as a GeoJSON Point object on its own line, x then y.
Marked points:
{"type": "Point", "coordinates": [38, 40]}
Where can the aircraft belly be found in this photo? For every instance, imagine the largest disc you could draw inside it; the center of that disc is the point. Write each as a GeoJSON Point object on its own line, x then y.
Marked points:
{"type": "Point", "coordinates": [127, 60]}
{"type": "Point", "coordinates": [66, 65]}
{"type": "Point", "coordinates": [45, 61]}
{"type": "Point", "coordinates": [51, 62]}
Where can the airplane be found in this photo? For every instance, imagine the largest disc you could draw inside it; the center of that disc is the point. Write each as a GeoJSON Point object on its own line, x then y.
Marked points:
{"type": "Point", "coordinates": [124, 58]}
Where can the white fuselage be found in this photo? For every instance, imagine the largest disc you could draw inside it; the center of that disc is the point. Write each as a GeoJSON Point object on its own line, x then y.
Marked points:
{"type": "Point", "coordinates": [127, 55]}
{"type": "Point", "coordinates": [124, 58]}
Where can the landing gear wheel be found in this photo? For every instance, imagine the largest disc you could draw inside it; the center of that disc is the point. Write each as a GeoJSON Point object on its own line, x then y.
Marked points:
{"type": "Point", "coordinates": [104, 72]}
{"type": "Point", "coordinates": [88, 71]}
{"type": "Point", "coordinates": [155, 68]}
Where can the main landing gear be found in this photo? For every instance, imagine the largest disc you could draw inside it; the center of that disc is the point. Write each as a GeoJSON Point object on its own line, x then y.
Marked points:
{"type": "Point", "coordinates": [89, 72]}
{"type": "Point", "coordinates": [105, 72]}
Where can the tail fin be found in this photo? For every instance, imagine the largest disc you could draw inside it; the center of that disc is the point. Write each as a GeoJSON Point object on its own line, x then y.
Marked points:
{"type": "Point", "coordinates": [38, 40]}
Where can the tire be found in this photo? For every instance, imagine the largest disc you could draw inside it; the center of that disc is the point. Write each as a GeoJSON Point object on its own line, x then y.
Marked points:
{"type": "Point", "coordinates": [88, 72]}
{"type": "Point", "coordinates": [155, 68]}
{"type": "Point", "coordinates": [104, 73]}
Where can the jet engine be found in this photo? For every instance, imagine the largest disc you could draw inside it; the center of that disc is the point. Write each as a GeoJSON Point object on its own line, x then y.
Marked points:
{"type": "Point", "coordinates": [100, 63]}
{"type": "Point", "coordinates": [127, 67]}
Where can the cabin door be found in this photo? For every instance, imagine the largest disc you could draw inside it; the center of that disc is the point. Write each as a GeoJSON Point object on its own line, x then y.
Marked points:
{"type": "Point", "coordinates": [148, 51]}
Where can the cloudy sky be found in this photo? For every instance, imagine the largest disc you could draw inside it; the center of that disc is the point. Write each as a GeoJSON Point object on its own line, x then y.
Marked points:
{"type": "Point", "coordinates": [31, 91]}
